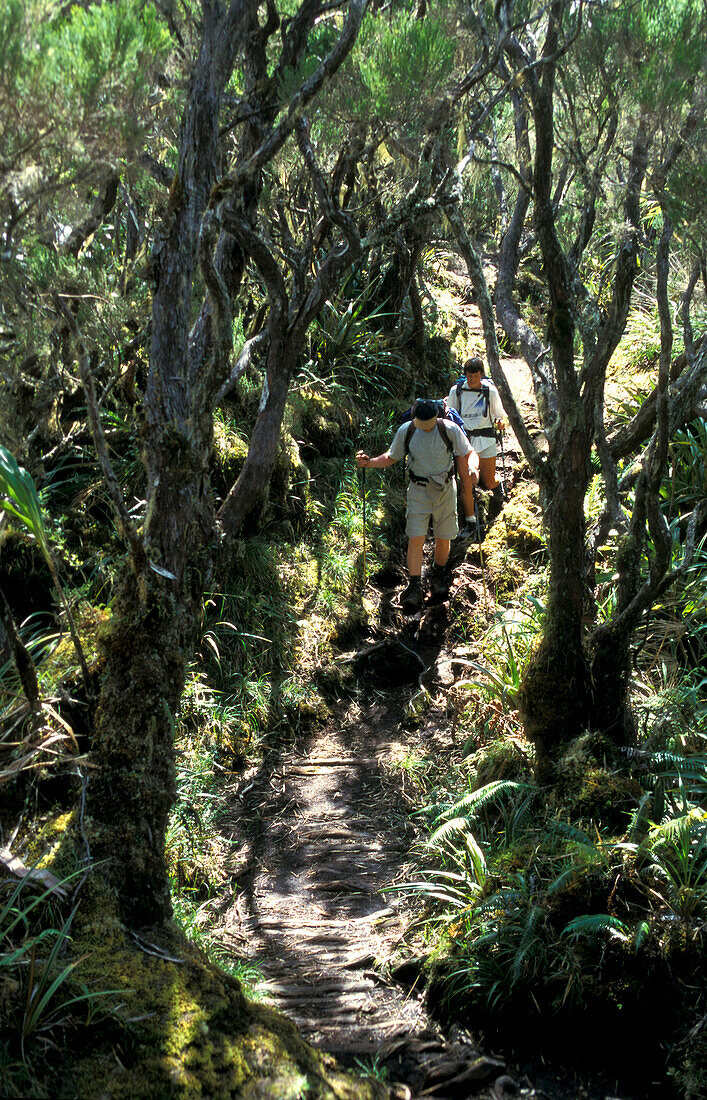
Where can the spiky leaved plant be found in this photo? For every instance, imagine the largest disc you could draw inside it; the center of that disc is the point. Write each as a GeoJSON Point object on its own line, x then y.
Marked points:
{"type": "Point", "coordinates": [19, 499]}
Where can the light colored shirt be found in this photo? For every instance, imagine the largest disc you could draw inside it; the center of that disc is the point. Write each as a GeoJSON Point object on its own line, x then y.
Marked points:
{"type": "Point", "coordinates": [472, 403]}
{"type": "Point", "coordinates": [428, 455]}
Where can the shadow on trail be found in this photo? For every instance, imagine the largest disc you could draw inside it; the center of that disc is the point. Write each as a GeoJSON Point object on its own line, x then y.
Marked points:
{"type": "Point", "coordinates": [324, 837]}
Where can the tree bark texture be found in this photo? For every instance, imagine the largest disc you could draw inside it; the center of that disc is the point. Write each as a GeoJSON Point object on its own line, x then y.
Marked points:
{"type": "Point", "coordinates": [156, 613]}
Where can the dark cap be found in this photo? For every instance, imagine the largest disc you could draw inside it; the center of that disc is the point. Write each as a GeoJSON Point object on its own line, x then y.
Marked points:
{"type": "Point", "coordinates": [474, 365]}
{"type": "Point", "coordinates": [424, 410]}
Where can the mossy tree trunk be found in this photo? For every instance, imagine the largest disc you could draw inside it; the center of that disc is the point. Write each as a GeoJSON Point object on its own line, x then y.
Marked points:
{"type": "Point", "coordinates": [557, 698]}
{"type": "Point", "coordinates": [554, 695]}
{"type": "Point", "coordinates": [132, 790]}
{"type": "Point", "coordinates": [208, 230]}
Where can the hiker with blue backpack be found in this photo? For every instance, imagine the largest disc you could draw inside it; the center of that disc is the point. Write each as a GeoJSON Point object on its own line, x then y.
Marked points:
{"type": "Point", "coordinates": [476, 400]}
{"type": "Point", "coordinates": [431, 444]}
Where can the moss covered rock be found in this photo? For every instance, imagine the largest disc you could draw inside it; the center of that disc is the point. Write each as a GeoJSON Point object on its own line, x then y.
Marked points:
{"type": "Point", "coordinates": [324, 423]}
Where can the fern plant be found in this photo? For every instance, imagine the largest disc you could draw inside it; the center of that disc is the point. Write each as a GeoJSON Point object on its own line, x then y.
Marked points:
{"type": "Point", "coordinates": [19, 499]}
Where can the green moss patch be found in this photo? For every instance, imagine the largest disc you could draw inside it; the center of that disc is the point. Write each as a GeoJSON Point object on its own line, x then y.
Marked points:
{"type": "Point", "coordinates": [169, 1023]}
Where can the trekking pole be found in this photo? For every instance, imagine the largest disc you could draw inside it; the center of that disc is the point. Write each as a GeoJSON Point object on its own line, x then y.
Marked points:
{"type": "Point", "coordinates": [477, 513]}
{"type": "Point", "coordinates": [477, 517]}
{"type": "Point", "coordinates": [499, 440]}
{"type": "Point", "coordinates": [363, 494]}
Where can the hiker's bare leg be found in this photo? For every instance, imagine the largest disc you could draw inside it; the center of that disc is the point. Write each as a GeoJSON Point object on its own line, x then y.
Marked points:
{"type": "Point", "coordinates": [487, 470]}
{"type": "Point", "coordinates": [442, 551]}
{"type": "Point", "coordinates": [415, 546]}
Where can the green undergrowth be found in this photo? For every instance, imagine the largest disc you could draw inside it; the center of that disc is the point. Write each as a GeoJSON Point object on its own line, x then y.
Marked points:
{"type": "Point", "coordinates": [580, 909]}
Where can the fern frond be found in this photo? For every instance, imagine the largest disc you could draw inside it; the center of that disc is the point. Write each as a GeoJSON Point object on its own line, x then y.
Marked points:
{"type": "Point", "coordinates": [528, 942]}
{"type": "Point", "coordinates": [641, 934]}
{"type": "Point", "coordinates": [594, 924]}
{"type": "Point", "coordinates": [475, 801]}
{"type": "Point", "coordinates": [455, 827]}
{"type": "Point", "coordinates": [503, 902]}
{"type": "Point", "coordinates": [522, 814]}
{"type": "Point", "coordinates": [670, 832]}
{"type": "Point", "coordinates": [567, 877]}
{"type": "Point", "coordinates": [639, 819]}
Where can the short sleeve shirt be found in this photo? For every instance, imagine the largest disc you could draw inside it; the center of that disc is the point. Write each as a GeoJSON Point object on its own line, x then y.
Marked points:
{"type": "Point", "coordinates": [428, 455]}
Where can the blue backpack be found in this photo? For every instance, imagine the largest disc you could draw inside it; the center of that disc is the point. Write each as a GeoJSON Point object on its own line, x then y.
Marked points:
{"type": "Point", "coordinates": [442, 414]}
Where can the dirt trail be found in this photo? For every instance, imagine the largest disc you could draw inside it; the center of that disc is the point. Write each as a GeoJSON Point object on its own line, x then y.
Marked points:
{"type": "Point", "coordinates": [313, 912]}
{"type": "Point", "coordinates": [324, 838]}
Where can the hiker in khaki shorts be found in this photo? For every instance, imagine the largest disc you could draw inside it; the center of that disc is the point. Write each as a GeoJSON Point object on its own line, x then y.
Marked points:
{"type": "Point", "coordinates": [431, 445]}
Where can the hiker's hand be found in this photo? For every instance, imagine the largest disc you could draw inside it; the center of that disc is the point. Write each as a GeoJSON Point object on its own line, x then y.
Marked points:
{"type": "Point", "coordinates": [501, 425]}
{"type": "Point", "coordinates": [362, 459]}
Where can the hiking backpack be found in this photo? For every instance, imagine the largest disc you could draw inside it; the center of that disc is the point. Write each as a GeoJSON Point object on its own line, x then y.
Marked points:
{"type": "Point", "coordinates": [444, 413]}
{"type": "Point", "coordinates": [459, 385]}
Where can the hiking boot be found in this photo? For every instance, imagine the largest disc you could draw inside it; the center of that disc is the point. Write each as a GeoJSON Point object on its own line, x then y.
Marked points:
{"type": "Point", "coordinates": [439, 582]}
{"type": "Point", "coordinates": [498, 494]}
{"type": "Point", "coordinates": [411, 597]}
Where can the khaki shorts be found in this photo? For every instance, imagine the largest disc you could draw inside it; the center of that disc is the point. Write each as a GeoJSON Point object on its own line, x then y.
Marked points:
{"type": "Point", "coordinates": [425, 502]}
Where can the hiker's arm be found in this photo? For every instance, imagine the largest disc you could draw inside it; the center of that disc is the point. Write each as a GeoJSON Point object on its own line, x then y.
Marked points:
{"type": "Point", "coordinates": [364, 461]}
{"type": "Point", "coordinates": [468, 465]}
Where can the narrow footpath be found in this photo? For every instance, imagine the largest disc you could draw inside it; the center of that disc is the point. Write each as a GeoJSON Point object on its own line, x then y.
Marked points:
{"type": "Point", "coordinates": [324, 839]}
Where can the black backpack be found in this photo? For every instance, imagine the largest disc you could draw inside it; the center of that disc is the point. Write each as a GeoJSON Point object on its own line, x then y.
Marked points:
{"type": "Point", "coordinates": [459, 385]}
{"type": "Point", "coordinates": [441, 428]}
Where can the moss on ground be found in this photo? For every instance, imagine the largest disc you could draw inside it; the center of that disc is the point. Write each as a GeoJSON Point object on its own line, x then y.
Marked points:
{"type": "Point", "coordinates": [173, 1024]}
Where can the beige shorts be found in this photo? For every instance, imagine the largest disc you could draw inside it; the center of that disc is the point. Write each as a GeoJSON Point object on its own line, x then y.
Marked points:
{"type": "Point", "coordinates": [425, 502]}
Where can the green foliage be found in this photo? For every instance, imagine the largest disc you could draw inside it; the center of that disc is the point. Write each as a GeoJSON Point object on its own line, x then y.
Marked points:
{"type": "Point", "coordinates": [321, 39]}
{"type": "Point", "coordinates": [686, 484]}
{"type": "Point", "coordinates": [349, 357]}
{"type": "Point", "coordinates": [105, 50]}
{"type": "Point", "coordinates": [403, 61]}
{"type": "Point", "coordinates": [506, 645]}
{"type": "Point", "coordinates": [18, 498]}
{"type": "Point", "coordinates": [40, 996]}
{"type": "Point", "coordinates": [98, 56]}
{"type": "Point", "coordinates": [534, 915]}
